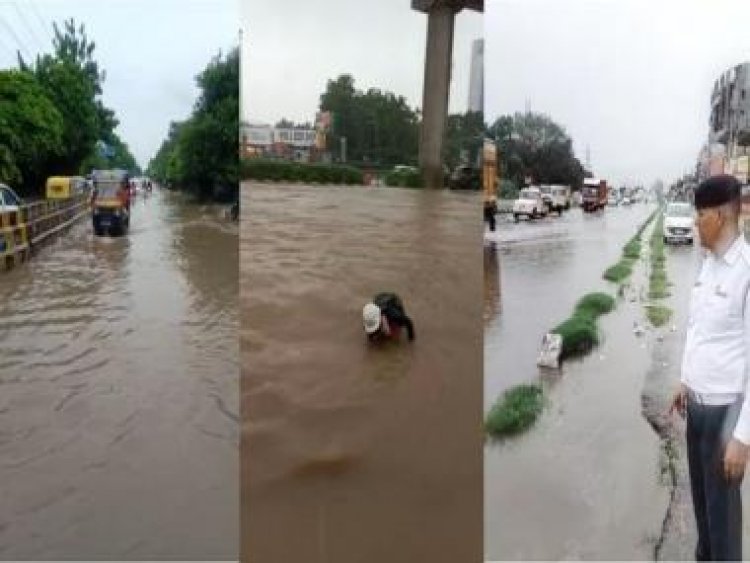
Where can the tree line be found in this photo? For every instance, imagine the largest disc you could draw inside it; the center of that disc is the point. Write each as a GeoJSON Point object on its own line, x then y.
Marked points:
{"type": "Point", "coordinates": [52, 118]}
{"type": "Point", "coordinates": [200, 155]}
{"type": "Point", "coordinates": [382, 131]}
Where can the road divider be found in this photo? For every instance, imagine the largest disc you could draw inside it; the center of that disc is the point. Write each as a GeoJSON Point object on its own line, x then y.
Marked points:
{"type": "Point", "coordinates": [658, 284]}
{"type": "Point", "coordinates": [22, 231]}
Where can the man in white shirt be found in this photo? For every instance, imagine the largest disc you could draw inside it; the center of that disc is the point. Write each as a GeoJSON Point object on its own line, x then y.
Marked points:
{"type": "Point", "coordinates": [713, 384]}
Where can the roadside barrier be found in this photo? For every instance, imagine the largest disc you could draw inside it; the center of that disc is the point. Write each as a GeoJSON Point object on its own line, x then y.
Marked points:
{"type": "Point", "coordinates": [23, 230]}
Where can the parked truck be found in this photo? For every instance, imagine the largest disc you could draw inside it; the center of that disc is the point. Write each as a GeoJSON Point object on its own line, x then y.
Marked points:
{"type": "Point", "coordinates": [594, 194]}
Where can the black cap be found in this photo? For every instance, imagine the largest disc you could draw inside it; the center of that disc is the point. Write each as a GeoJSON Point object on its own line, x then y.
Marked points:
{"type": "Point", "coordinates": [716, 191]}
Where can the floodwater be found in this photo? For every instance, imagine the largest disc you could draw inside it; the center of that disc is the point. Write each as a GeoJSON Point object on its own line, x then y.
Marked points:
{"type": "Point", "coordinates": [119, 391]}
{"type": "Point", "coordinates": [354, 453]}
{"type": "Point", "coordinates": [584, 482]}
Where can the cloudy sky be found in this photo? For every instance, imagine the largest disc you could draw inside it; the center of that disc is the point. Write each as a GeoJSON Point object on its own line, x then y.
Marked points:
{"type": "Point", "coordinates": [291, 48]}
{"type": "Point", "coordinates": [151, 51]}
{"type": "Point", "coordinates": [631, 79]}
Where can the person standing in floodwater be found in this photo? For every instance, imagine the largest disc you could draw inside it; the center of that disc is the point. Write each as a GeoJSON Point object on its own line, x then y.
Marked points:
{"type": "Point", "coordinates": [384, 317]}
{"type": "Point", "coordinates": [713, 382]}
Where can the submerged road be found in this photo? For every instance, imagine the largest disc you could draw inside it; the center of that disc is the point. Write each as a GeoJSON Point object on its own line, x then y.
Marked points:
{"type": "Point", "coordinates": [118, 391]}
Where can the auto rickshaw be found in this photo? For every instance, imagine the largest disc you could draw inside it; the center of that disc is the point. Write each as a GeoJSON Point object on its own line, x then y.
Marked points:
{"type": "Point", "coordinates": [110, 202]}
{"type": "Point", "coordinates": [64, 187]}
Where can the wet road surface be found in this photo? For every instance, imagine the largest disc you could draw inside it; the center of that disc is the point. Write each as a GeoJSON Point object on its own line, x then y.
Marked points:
{"type": "Point", "coordinates": [352, 453]}
{"type": "Point", "coordinates": [119, 389]}
{"type": "Point", "coordinates": [679, 539]}
{"type": "Point", "coordinates": [584, 482]}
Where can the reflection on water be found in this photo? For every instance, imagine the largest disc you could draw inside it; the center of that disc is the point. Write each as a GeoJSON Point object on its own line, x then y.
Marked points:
{"type": "Point", "coordinates": [581, 483]}
{"type": "Point", "coordinates": [492, 303]}
{"type": "Point", "coordinates": [118, 391]}
{"type": "Point", "coordinates": [360, 453]}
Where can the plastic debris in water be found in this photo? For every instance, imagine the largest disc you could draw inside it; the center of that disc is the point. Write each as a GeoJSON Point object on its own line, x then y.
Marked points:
{"type": "Point", "coordinates": [549, 355]}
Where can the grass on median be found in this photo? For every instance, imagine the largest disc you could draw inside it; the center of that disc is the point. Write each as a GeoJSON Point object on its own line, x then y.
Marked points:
{"type": "Point", "coordinates": [620, 271]}
{"type": "Point", "coordinates": [579, 332]}
{"type": "Point", "coordinates": [658, 315]}
{"type": "Point", "coordinates": [517, 410]}
{"type": "Point", "coordinates": [631, 252]}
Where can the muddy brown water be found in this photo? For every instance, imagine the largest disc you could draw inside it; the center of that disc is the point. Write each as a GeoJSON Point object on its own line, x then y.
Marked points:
{"type": "Point", "coordinates": [119, 391]}
{"type": "Point", "coordinates": [351, 453]}
{"type": "Point", "coordinates": [584, 482]}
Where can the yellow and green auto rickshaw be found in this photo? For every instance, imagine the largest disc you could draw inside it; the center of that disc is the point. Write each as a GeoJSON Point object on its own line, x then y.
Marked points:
{"type": "Point", "coordinates": [110, 202]}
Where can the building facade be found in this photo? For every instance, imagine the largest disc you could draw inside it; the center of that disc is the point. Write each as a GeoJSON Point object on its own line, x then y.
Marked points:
{"type": "Point", "coordinates": [263, 140]}
{"type": "Point", "coordinates": [728, 144]}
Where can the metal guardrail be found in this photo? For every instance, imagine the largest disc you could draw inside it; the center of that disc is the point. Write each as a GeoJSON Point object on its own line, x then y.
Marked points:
{"type": "Point", "coordinates": [23, 230]}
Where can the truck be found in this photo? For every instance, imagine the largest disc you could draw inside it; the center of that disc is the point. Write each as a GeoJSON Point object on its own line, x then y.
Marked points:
{"type": "Point", "coordinates": [594, 193]}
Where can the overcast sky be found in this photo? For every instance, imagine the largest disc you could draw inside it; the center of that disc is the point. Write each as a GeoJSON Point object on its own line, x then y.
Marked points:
{"type": "Point", "coordinates": [631, 79]}
{"type": "Point", "coordinates": [291, 48]}
{"type": "Point", "coordinates": [151, 51]}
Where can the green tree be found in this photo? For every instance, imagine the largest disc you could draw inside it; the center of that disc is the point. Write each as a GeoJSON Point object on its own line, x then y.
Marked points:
{"type": "Point", "coordinates": [200, 155]}
{"type": "Point", "coordinates": [380, 128]}
{"type": "Point", "coordinates": [532, 144]}
{"type": "Point", "coordinates": [31, 131]}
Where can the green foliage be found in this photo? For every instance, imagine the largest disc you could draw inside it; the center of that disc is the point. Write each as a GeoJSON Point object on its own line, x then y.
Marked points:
{"type": "Point", "coordinates": [517, 410]}
{"type": "Point", "coordinates": [595, 304]}
{"type": "Point", "coordinates": [200, 155]}
{"type": "Point", "coordinates": [404, 179]}
{"type": "Point", "coordinates": [579, 335]}
{"type": "Point", "coordinates": [51, 115]}
{"type": "Point", "coordinates": [31, 131]}
{"type": "Point", "coordinates": [532, 144]}
{"type": "Point", "coordinates": [380, 128]}
{"type": "Point", "coordinates": [658, 282]}
{"type": "Point", "coordinates": [620, 271]}
{"type": "Point", "coordinates": [284, 171]}
{"type": "Point", "coordinates": [658, 315]}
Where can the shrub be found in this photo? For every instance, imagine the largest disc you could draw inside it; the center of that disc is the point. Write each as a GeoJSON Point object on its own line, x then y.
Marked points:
{"type": "Point", "coordinates": [579, 335]}
{"type": "Point", "coordinates": [619, 271]}
{"type": "Point", "coordinates": [595, 304]}
{"type": "Point", "coordinates": [285, 171]}
{"type": "Point", "coordinates": [517, 410]}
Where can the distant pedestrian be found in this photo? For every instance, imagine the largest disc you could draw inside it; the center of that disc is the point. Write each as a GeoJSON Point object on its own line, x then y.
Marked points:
{"type": "Point", "coordinates": [384, 316]}
{"type": "Point", "coordinates": [713, 382]}
{"type": "Point", "coordinates": [490, 210]}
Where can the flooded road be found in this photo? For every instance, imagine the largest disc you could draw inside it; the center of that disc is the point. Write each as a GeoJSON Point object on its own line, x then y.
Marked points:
{"type": "Point", "coordinates": [584, 483]}
{"type": "Point", "coordinates": [119, 390]}
{"type": "Point", "coordinates": [354, 453]}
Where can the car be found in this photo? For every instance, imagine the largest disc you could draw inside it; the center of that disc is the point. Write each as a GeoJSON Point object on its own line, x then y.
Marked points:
{"type": "Point", "coordinates": [678, 222]}
{"type": "Point", "coordinates": [612, 201]}
{"type": "Point", "coordinates": [9, 200]}
{"type": "Point", "coordinates": [530, 204]}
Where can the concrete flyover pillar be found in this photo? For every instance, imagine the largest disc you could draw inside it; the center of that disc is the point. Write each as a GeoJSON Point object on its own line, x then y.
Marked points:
{"type": "Point", "coordinates": [437, 78]}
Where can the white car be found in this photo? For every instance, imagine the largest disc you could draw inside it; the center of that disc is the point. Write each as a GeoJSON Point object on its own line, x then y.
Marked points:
{"type": "Point", "coordinates": [9, 200]}
{"type": "Point", "coordinates": [678, 222]}
{"type": "Point", "coordinates": [530, 204]}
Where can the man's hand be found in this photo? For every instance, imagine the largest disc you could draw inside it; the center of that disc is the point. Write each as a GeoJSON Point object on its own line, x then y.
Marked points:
{"type": "Point", "coordinates": [735, 460]}
{"type": "Point", "coordinates": [679, 401]}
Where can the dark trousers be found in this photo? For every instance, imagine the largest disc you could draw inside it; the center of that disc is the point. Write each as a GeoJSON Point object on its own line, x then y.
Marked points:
{"type": "Point", "coordinates": [716, 502]}
{"type": "Point", "coordinates": [489, 216]}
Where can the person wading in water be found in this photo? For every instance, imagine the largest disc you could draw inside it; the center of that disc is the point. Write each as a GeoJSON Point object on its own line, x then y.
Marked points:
{"type": "Point", "coordinates": [384, 316]}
